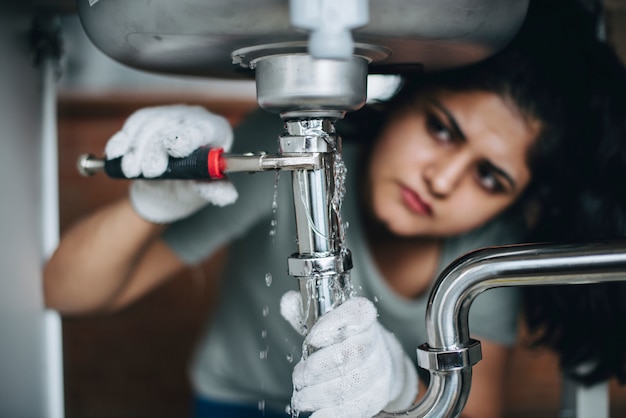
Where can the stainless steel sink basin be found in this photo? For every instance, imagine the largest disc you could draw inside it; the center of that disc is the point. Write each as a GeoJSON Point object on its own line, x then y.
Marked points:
{"type": "Point", "coordinates": [217, 38]}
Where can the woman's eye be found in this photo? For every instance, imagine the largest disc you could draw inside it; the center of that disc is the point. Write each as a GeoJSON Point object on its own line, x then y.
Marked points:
{"type": "Point", "coordinates": [488, 180]}
{"type": "Point", "coordinates": [438, 129]}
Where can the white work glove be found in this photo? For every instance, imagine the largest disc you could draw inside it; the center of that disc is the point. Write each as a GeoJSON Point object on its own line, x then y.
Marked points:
{"type": "Point", "coordinates": [357, 368]}
{"type": "Point", "coordinates": [146, 141]}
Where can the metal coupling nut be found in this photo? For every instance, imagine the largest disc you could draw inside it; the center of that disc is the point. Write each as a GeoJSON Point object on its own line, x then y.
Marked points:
{"type": "Point", "coordinates": [307, 266]}
{"type": "Point", "coordinates": [446, 360]}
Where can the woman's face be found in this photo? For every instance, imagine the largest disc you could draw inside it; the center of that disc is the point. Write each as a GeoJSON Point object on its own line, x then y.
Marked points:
{"type": "Point", "coordinates": [450, 163]}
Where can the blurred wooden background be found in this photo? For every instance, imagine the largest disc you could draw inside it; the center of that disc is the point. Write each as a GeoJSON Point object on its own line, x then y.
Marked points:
{"type": "Point", "coordinates": [133, 364]}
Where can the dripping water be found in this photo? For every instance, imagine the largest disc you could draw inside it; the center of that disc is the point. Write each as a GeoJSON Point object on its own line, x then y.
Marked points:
{"type": "Point", "coordinates": [273, 221]}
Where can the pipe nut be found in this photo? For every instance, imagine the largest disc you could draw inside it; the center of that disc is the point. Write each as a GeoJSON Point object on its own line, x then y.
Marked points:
{"type": "Point", "coordinates": [445, 360]}
{"type": "Point", "coordinates": [308, 266]}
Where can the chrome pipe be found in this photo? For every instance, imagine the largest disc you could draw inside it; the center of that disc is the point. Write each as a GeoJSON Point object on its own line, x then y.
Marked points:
{"type": "Point", "coordinates": [314, 222]}
{"type": "Point", "coordinates": [456, 288]}
{"type": "Point", "coordinates": [250, 163]}
{"type": "Point", "coordinates": [312, 189]}
{"type": "Point", "coordinates": [321, 264]}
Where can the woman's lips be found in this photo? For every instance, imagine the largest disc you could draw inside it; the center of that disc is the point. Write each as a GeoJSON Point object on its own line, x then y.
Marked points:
{"type": "Point", "coordinates": [415, 203]}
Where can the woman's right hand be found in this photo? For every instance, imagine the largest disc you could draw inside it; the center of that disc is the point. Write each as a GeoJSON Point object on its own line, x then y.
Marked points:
{"type": "Point", "coordinates": [152, 135]}
{"type": "Point", "coordinates": [115, 255]}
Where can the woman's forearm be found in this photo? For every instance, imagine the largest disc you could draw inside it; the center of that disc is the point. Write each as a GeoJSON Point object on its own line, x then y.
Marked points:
{"type": "Point", "coordinates": [97, 259]}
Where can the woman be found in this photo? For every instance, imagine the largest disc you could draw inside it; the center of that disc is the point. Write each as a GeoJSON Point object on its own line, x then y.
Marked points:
{"type": "Point", "coordinates": [455, 161]}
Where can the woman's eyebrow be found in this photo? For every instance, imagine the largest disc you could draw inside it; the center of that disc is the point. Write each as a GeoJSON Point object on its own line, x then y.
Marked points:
{"type": "Point", "coordinates": [454, 126]}
{"type": "Point", "coordinates": [451, 120]}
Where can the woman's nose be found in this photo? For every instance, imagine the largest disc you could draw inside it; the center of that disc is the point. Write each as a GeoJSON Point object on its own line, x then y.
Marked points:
{"type": "Point", "coordinates": [444, 174]}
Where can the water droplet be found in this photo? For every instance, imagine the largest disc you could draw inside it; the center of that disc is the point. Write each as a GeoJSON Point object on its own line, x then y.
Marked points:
{"type": "Point", "coordinates": [266, 310]}
{"type": "Point", "coordinates": [273, 222]}
{"type": "Point", "coordinates": [264, 333]}
{"type": "Point", "coordinates": [268, 279]}
{"type": "Point", "coordinates": [263, 353]}
{"type": "Point", "coordinates": [261, 405]}
{"type": "Point", "coordinates": [275, 197]}
{"type": "Point", "coordinates": [305, 351]}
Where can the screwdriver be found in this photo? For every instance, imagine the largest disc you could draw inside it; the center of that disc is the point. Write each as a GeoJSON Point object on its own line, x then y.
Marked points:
{"type": "Point", "coordinates": [207, 163]}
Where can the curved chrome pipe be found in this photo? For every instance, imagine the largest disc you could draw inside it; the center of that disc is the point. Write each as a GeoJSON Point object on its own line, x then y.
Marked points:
{"type": "Point", "coordinates": [457, 287]}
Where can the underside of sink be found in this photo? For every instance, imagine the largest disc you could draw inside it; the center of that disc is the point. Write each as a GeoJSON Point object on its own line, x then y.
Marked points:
{"type": "Point", "coordinates": [220, 38]}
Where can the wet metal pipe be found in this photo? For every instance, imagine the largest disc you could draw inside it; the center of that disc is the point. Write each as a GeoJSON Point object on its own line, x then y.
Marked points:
{"type": "Point", "coordinates": [321, 264]}
{"type": "Point", "coordinates": [449, 352]}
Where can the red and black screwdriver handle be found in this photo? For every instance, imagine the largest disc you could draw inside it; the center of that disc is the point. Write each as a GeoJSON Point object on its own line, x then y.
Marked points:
{"type": "Point", "coordinates": [203, 163]}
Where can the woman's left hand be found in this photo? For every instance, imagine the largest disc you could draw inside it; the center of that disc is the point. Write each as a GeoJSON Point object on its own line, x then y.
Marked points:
{"type": "Point", "coordinates": [356, 369]}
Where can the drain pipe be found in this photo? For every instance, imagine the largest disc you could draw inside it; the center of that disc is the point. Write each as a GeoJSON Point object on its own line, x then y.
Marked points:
{"type": "Point", "coordinates": [449, 353]}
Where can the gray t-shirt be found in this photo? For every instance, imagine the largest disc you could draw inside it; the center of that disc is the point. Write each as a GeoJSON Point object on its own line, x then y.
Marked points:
{"type": "Point", "coordinates": [248, 351]}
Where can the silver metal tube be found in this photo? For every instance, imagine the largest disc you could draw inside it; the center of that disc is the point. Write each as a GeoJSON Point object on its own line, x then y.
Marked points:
{"type": "Point", "coordinates": [264, 162]}
{"type": "Point", "coordinates": [312, 189]}
{"type": "Point", "coordinates": [519, 265]}
{"type": "Point", "coordinates": [311, 202]}
{"type": "Point", "coordinates": [321, 264]}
